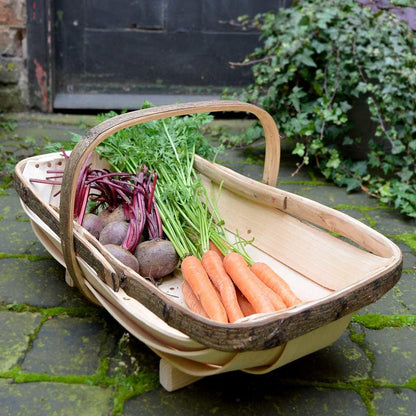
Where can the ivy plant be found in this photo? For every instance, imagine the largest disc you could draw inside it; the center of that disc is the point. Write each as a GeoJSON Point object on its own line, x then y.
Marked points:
{"type": "Point", "coordinates": [315, 63]}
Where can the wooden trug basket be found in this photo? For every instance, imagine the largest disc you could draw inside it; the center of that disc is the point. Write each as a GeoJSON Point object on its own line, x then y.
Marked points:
{"type": "Point", "coordinates": [333, 262]}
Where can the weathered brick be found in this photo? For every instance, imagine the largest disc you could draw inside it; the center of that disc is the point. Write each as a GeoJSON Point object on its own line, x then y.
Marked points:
{"type": "Point", "coordinates": [10, 69]}
{"type": "Point", "coordinates": [10, 41]}
{"type": "Point", "coordinates": [10, 98]}
{"type": "Point", "coordinates": [12, 12]}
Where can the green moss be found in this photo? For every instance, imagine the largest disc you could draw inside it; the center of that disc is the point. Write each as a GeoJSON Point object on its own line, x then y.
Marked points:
{"type": "Point", "coordinates": [21, 307]}
{"type": "Point", "coordinates": [365, 388]}
{"type": "Point", "coordinates": [128, 387]}
{"type": "Point", "coordinates": [124, 387]}
{"type": "Point", "coordinates": [19, 376]}
{"type": "Point", "coordinates": [131, 378]}
{"type": "Point", "coordinates": [30, 257]}
{"type": "Point", "coordinates": [371, 221]}
{"type": "Point", "coordinates": [359, 339]}
{"type": "Point", "coordinates": [376, 321]}
{"type": "Point", "coordinates": [356, 337]}
{"type": "Point", "coordinates": [75, 312]}
{"type": "Point", "coordinates": [361, 208]}
{"type": "Point", "coordinates": [408, 238]}
{"type": "Point", "coordinates": [411, 383]}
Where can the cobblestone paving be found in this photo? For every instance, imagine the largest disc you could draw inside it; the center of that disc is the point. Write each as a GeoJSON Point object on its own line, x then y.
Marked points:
{"type": "Point", "coordinates": [60, 355]}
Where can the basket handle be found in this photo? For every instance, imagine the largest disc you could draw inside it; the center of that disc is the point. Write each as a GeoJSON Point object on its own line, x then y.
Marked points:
{"type": "Point", "coordinates": [105, 129]}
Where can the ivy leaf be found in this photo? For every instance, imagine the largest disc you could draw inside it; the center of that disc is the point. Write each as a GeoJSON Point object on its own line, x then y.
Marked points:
{"type": "Point", "coordinates": [352, 184]}
{"type": "Point", "coordinates": [299, 149]}
{"type": "Point", "coordinates": [349, 61]}
{"type": "Point", "coordinates": [406, 174]}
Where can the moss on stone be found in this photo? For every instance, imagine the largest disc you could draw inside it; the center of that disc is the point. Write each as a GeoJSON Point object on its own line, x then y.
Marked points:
{"type": "Point", "coordinates": [30, 257]}
{"type": "Point", "coordinates": [411, 383]}
{"type": "Point", "coordinates": [361, 208]}
{"type": "Point", "coordinates": [365, 388]}
{"type": "Point", "coordinates": [359, 339]}
{"type": "Point", "coordinates": [408, 238]}
{"type": "Point", "coordinates": [376, 321]}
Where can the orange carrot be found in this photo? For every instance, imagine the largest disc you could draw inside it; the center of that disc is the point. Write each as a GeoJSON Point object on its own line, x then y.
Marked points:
{"type": "Point", "coordinates": [239, 271]}
{"type": "Point", "coordinates": [191, 300]}
{"type": "Point", "coordinates": [275, 298]}
{"type": "Point", "coordinates": [196, 276]}
{"type": "Point", "coordinates": [214, 267]}
{"type": "Point", "coordinates": [268, 276]}
{"type": "Point", "coordinates": [213, 247]}
{"type": "Point", "coordinates": [245, 305]}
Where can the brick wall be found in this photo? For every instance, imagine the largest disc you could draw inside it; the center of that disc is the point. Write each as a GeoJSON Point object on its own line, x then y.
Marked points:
{"type": "Point", "coordinates": [13, 73]}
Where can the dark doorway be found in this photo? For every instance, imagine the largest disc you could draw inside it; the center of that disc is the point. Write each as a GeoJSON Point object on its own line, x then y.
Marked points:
{"type": "Point", "coordinates": [101, 54]}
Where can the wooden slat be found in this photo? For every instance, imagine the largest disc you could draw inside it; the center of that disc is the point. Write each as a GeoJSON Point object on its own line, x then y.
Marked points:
{"type": "Point", "coordinates": [316, 254]}
{"type": "Point", "coordinates": [300, 207]}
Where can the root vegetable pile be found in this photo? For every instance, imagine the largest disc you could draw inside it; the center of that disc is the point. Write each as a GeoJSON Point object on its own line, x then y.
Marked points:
{"type": "Point", "coordinates": [123, 217]}
{"type": "Point", "coordinates": [216, 285]}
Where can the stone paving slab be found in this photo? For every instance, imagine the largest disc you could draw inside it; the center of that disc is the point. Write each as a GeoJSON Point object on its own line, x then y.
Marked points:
{"type": "Point", "coordinates": [15, 228]}
{"type": "Point", "coordinates": [390, 222]}
{"type": "Point", "coordinates": [394, 354]}
{"type": "Point", "coordinates": [399, 402]}
{"type": "Point", "coordinates": [48, 399]}
{"type": "Point", "coordinates": [67, 345]}
{"type": "Point", "coordinates": [344, 361]}
{"type": "Point", "coordinates": [38, 283]}
{"type": "Point", "coordinates": [80, 361]}
{"type": "Point", "coordinates": [16, 329]}
{"type": "Point", "coordinates": [246, 395]}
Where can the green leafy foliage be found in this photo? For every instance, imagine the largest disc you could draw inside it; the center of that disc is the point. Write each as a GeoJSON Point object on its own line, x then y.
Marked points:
{"type": "Point", "coordinates": [317, 61]}
{"type": "Point", "coordinates": [168, 146]}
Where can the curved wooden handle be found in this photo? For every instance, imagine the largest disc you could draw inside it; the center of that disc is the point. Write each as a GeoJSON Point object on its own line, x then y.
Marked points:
{"type": "Point", "coordinates": [105, 129]}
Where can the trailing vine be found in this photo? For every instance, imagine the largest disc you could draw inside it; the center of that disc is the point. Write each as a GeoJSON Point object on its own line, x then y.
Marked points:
{"type": "Point", "coordinates": [317, 62]}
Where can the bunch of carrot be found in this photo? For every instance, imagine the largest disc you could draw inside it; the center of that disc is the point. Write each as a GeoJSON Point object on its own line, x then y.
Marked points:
{"type": "Point", "coordinates": [226, 288]}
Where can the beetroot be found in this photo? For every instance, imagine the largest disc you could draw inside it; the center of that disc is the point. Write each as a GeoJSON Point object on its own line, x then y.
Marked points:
{"type": "Point", "coordinates": [128, 197]}
{"type": "Point", "coordinates": [124, 256]}
{"type": "Point", "coordinates": [114, 233]}
{"type": "Point", "coordinates": [157, 258]}
{"type": "Point", "coordinates": [93, 224]}
{"type": "Point", "coordinates": [112, 215]}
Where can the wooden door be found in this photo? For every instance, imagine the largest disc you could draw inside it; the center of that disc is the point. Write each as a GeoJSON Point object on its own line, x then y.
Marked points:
{"type": "Point", "coordinates": [116, 53]}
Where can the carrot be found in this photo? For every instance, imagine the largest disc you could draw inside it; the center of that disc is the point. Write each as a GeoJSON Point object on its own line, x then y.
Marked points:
{"type": "Point", "coordinates": [214, 267]}
{"type": "Point", "coordinates": [239, 271]}
{"type": "Point", "coordinates": [268, 276]}
{"type": "Point", "coordinates": [194, 273]}
{"type": "Point", "coordinates": [274, 297]}
{"type": "Point", "coordinates": [245, 305]}
{"type": "Point", "coordinates": [191, 300]}
{"type": "Point", "coordinates": [213, 247]}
